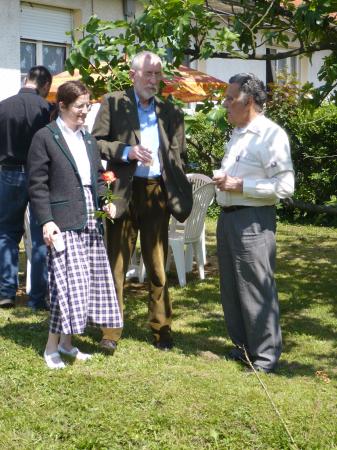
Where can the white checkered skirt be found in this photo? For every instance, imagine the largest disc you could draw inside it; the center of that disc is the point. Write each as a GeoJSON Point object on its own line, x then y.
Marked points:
{"type": "Point", "coordinates": [81, 286]}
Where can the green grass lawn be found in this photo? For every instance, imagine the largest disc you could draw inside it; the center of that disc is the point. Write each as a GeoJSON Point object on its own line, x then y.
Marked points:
{"type": "Point", "coordinates": [190, 398]}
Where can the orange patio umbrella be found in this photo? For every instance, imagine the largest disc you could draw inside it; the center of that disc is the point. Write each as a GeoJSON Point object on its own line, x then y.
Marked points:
{"type": "Point", "coordinates": [191, 85]}
{"type": "Point", "coordinates": [59, 79]}
{"type": "Point", "coordinates": [188, 85]}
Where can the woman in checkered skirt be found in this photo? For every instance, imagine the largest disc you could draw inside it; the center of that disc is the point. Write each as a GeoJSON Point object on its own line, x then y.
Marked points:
{"type": "Point", "coordinates": [65, 188]}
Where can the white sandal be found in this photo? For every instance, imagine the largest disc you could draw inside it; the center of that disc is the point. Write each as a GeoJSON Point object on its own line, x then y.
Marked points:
{"type": "Point", "coordinates": [74, 353]}
{"type": "Point", "coordinates": [53, 360]}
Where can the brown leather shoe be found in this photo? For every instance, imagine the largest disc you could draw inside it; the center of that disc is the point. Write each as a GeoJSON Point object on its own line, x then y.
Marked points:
{"type": "Point", "coordinates": [108, 346]}
{"type": "Point", "coordinates": [163, 339]}
{"type": "Point", "coordinates": [164, 346]}
{"type": "Point", "coordinates": [164, 343]}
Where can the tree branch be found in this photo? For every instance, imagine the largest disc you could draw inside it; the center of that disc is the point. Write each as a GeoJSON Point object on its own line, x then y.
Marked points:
{"type": "Point", "coordinates": [291, 203]}
{"type": "Point", "coordinates": [270, 57]}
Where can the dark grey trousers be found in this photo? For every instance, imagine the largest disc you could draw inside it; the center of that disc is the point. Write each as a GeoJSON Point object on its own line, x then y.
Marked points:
{"type": "Point", "coordinates": [246, 252]}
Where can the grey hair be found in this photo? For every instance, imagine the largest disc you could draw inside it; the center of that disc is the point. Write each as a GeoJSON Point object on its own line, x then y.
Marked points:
{"type": "Point", "coordinates": [252, 86]}
{"type": "Point", "coordinates": [139, 58]}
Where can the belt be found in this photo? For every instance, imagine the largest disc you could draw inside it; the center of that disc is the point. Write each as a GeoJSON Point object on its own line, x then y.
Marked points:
{"type": "Point", "coordinates": [229, 209]}
{"type": "Point", "coordinates": [13, 167]}
{"type": "Point", "coordinates": [148, 180]}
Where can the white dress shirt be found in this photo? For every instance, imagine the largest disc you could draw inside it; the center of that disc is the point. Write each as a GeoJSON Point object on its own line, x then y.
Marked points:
{"type": "Point", "coordinates": [75, 142]}
{"type": "Point", "coordinates": [259, 154]}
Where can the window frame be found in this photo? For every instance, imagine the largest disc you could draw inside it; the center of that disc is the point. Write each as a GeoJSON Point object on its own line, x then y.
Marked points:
{"type": "Point", "coordinates": [39, 52]}
{"type": "Point", "coordinates": [291, 65]}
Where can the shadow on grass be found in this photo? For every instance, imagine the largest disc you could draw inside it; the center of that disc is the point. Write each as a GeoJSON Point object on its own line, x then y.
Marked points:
{"type": "Point", "coordinates": [34, 333]}
{"type": "Point", "coordinates": [305, 283]}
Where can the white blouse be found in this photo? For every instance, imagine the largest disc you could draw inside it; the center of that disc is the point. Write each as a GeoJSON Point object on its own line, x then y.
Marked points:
{"type": "Point", "coordinates": [75, 142]}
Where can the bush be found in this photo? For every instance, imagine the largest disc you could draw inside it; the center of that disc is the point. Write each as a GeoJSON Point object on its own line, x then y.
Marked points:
{"type": "Point", "coordinates": [313, 137]}
{"type": "Point", "coordinates": [205, 140]}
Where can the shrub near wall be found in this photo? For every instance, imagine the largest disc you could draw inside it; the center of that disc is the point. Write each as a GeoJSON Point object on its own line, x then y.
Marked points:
{"type": "Point", "coordinates": [206, 135]}
{"type": "Point", "coordinates": [313, 140]}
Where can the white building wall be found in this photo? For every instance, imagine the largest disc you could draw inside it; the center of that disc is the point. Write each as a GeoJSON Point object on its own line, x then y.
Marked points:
{"type": "Point", "coordinates": [225, 68]}
{"type": "Point", "coordinates": [10, 79]}
{"type": "Point", "coordinates": [108, 9]}
{"type": "Point", "coordinates": [314, 66]}
{"type": "Point", "coordinates": [9, 48]}
{"type": "Point", "coordinates": [111, 10]}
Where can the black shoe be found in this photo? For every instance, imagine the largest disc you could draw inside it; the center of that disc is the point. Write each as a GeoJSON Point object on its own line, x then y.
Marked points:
{"type": "Point", "coordinates": [38, 307]}
{"type": "Point", "coordinates": [7, 303]}
{"type": "Point", "coordinates": [237, 354]}
{"type": "Point", "coordinates": [108, 346]}
{"type": "Point", "coordinates": [260, 369]}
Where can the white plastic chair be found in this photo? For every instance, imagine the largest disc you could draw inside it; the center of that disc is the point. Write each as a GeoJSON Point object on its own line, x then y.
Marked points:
{"type": "Point", "coordinates": [137, 269]}
{"type": "Point", "coordinates": [191, 233]}
{"type": "Point", "coordinates": [197, 180]}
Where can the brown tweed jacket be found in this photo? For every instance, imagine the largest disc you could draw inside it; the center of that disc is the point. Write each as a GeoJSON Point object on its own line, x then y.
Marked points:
{"type": "Point", "coordinates": [117, 126]}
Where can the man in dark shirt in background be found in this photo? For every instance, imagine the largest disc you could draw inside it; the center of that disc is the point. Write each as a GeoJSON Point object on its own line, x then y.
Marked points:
{"type": "Point", "coordinates": [20, 117]}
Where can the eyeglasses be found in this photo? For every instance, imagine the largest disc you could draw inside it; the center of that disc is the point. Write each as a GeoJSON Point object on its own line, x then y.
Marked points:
{"type": "Point", "coordinates": [148, 75]}
{"type": "Point", "coordinates": [83, 106]}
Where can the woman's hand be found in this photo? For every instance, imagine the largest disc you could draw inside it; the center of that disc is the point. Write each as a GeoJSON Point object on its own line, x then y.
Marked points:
{"type": "Point", "coordinates": [49, 229]}
{"type": "Point", "coordinates": [110, 209]}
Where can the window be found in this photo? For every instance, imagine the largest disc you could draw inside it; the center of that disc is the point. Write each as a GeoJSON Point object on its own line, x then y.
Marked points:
{"type": "Point", "coordinates": [43, 37]}
{"type": "Point", "coordinates": [129, 9]}
{"type": "Point", "coordinates": [27, 56]}
{"type": "Point", "coordinates": [286, 65]}
{"type": "Point", "coordinates": [50, 55]}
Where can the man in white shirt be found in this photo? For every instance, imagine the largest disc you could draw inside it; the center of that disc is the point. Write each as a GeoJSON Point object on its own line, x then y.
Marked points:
{"type": "Point", "coordinates": [255, 173]}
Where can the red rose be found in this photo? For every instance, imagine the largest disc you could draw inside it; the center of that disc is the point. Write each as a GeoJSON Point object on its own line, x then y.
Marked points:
{"type": "Point", "coordinates": [108, 176]}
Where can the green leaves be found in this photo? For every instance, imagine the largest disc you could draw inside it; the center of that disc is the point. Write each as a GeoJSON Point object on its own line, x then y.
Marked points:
{"type": "Point", "coordinates": [218, 116]}
{"type": "Point", "coordinates": [177, 29]}
{"type": "Point", "coordinates": [86, 46]}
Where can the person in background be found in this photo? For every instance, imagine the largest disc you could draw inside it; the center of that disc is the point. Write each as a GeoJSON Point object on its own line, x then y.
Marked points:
{"type": "Point", "coordinates": [143, 141]}
{"type": "Point", "coordinates": [21, 116]}
{"type": "Point", "coordinates": [255, 173]}
{"type": "Point", "coordinates": [65, 188]}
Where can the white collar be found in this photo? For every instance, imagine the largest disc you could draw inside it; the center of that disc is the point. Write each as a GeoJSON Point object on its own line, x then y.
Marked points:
{"type": "Point", "coordinates": [254, 126]}
{"type": "Point", "coordinates": [62, 125]}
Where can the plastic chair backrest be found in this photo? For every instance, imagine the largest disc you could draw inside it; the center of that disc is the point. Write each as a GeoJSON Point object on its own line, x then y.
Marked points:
{"type": "Point", "coordinates": [194, 224]}
{"type": "Point", "coordinates": [198, 180]}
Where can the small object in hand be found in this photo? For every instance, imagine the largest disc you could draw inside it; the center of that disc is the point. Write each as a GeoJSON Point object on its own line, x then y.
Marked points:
{"type": "Point", "coordinates": [58, 242]}
{"type": "Point", "coordinates": [218, 173]}
{"type": "Point", "coordinates": [149, 163]}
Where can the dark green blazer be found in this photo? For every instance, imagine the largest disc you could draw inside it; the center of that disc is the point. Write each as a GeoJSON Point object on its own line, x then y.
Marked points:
{"type": "Point", "coordinates": [117, 126]}
{"type": "Point", "coordinates": [55, 188]}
